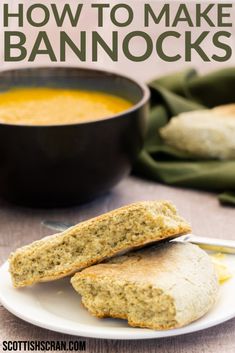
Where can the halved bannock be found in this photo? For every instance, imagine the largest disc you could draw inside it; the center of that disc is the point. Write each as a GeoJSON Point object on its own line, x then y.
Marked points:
{"type": "Point", "coordinates": [94, 240]}
{"type": "Point", "coordinates": [162, 287]}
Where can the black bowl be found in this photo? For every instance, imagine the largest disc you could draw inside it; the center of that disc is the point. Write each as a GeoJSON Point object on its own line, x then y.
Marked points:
{"type": "Point", "coordinates": [60, 165]}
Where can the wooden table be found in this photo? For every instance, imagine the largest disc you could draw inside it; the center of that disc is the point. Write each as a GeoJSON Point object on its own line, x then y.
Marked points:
{"type": "Point", "coordinates": [18, 226]}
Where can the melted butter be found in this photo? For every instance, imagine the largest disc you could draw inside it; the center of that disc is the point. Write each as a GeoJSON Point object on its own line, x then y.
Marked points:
{"type": "Point", "coordinates": [221, 268]}
{"type": "Point", "coordinates": [52, 106]}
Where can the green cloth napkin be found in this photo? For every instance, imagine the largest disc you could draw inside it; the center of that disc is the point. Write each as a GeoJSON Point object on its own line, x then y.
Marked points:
{"type": "Point", "coordinates": [174, 94]}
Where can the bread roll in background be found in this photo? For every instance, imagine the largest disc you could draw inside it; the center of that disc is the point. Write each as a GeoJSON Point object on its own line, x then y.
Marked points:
{"type": "Point", "coordinates": [204, 134]}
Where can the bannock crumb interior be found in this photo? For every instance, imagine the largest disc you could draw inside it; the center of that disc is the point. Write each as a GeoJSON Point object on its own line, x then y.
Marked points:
{"type": "Point", "coordinates": [92, 241]}
{"type": "Point", "coordinates": [161, 287]}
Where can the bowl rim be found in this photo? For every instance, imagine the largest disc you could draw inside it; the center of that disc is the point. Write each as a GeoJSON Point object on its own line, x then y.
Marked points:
{"type": "Point", "coordinates": [143, 86]}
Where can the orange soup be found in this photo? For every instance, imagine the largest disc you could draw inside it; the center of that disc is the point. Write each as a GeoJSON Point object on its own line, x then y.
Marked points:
{"type": "Point", "coordinates": [52, 106]}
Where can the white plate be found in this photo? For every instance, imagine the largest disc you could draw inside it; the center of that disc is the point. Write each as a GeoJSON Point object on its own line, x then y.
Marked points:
{"type": "Point", "coordinates": [56, 306]}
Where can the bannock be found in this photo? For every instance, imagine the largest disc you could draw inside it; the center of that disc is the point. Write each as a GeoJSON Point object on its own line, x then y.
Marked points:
{"type": "Point", "coordinates": [206, 134]}
{"type": "Point", "coordinates": [161, 287]}
{"type": "Point", "coordinates": [94, 240]}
